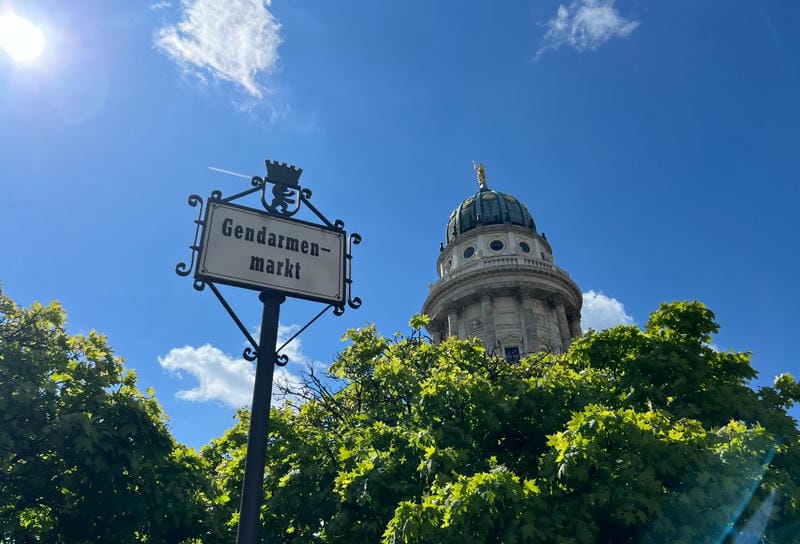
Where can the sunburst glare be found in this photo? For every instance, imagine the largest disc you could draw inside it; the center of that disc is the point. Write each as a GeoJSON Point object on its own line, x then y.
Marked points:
{"type": "Point", "coordinates": [20, 38]}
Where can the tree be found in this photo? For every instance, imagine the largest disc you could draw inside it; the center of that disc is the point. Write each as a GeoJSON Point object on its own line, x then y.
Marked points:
{"type": "Point", "coordinates": [84, 455]}
{"type": "Point", "coordinates": [633, 436]}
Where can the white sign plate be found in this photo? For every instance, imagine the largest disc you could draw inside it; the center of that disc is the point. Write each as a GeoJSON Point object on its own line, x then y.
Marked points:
{"type": "Point", "coordinates": [249, 248]}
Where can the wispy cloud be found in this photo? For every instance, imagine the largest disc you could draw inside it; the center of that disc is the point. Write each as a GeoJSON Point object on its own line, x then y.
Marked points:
{"type": "Point", "coordinates": [227, 379]}
{"type": "Point", "coordinates": [294, 349]}
{"type": "Point", "coordinates": [602, 312]}
{"type": "Point", "coordinates": [585, 25]}
{"type": "Point", "coordinates": [160, 5]}
{"type": "Point", "coordinates": [232, 40]}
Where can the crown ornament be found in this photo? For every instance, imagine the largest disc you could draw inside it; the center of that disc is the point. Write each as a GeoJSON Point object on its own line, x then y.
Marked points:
{"type": "Point", "coordinates": [283, 174]}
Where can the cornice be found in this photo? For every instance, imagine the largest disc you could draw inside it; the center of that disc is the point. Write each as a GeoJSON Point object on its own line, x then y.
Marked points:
{"type": "Point", "coordinates": [440, 291]}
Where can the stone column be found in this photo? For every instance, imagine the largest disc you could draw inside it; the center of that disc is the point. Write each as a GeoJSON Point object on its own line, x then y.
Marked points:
{"type": "Point", "coordinates": [452, 320]}
{"type": "Point", "coordinates": [563, 327]}
{"type": "Point", "coordinates": [528, 321]}
{"type": "Point", "coordinates": [487, 314]}
{"type": "Point", "coordinates": [574, 325]}
{"type": "Point", "coordinates": [518, 297]}
{"type": "Point", "coordinates": [462, 329]}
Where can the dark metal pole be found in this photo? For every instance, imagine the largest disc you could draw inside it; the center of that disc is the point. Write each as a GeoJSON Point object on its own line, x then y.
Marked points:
{"type": "Point", "coordinates": [253, 485]}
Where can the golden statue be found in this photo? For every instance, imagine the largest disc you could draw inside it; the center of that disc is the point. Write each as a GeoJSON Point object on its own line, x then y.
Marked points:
{"type": "Point", "coordinates": [481, 171]}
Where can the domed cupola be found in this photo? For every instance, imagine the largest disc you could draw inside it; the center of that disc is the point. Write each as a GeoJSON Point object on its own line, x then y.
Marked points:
{"type": "Point", "coordinates": [488, 207]}
{"type": "Point", "coordinates": [498, 281]}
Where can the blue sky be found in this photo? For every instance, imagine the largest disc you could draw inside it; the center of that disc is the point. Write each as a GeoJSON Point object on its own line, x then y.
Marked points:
{"type": "Point", "coordinates": [656, 143]}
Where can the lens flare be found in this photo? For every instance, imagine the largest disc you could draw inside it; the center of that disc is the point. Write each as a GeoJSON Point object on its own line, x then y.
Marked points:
{"type": "Point", "coordinates": [20, 38]}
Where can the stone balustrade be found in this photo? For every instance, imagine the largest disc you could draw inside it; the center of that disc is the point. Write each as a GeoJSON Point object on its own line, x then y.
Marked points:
{"type": "Point", "coordinates": [504, 261]}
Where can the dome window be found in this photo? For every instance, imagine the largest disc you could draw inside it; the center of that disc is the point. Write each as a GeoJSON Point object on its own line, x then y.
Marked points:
{"type": "Point", "coordinates": [496, 245]}
{"type": "Point", "coordinates": [525, 247]}
{"type": "Point", "coordinates": [469, 252]}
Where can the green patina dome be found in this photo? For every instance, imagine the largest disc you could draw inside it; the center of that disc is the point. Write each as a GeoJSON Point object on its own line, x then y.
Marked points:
{"type": "Point", "coordinates": [488, 207]}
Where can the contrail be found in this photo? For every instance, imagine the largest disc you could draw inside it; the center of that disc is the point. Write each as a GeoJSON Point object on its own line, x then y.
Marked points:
{"type": "Point", "coordinates": [229, 172]}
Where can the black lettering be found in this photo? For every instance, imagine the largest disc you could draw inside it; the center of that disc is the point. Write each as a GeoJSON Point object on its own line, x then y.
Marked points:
{"type": "Point", "coordinates": [257, 263]}
{"type": "Point", "coordinates": [288, 270]}
{"type": "Point", "coordinates": [226, 226]}
{"type": "Point", "coordinates": [261, 236]}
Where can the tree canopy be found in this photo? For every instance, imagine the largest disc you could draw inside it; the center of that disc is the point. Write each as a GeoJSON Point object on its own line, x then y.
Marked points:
{"type": "Point", "coordinates": [84, 455]}
{"type": "Point", "coordinates": [633, 436]}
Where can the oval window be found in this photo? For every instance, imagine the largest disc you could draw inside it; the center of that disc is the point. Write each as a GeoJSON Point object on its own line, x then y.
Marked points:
{"type": "Point", "coordinates": [469, 252]}
{"type": "Point", "coordinates": [525, 247]}
{"type": "Point", "coordinates": [496, 245]}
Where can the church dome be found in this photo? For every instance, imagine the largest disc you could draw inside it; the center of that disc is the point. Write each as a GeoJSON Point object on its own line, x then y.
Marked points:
{"type": "Point", "coordinates": [488, 207]}
{"type": "Point", "coordinates": [498, 281]}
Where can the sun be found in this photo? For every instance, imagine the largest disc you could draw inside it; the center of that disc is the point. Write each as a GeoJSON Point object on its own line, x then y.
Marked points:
{"type": "Point", "coordinates": [20, 38]}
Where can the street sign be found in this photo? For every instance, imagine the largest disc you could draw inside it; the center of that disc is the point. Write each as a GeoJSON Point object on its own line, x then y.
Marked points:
{"type": "Point", "coordinates": [279, 256]}
{"type": "Point", "coordinates": [249, 248]}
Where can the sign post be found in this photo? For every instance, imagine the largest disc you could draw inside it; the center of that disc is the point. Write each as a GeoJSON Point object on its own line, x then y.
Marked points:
{"type": "Point", "coordinates": [253, 485]}
{"type": "Point", "coordinates": [280, 257]}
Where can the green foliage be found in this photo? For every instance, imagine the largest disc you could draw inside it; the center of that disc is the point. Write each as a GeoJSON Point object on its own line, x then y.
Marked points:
{"type": "Point", "coordinates": [633, 436]}
{"type": "Point", "coordinates": [419, 321]}
{"type": "Point", "coordinates": [84, 455]}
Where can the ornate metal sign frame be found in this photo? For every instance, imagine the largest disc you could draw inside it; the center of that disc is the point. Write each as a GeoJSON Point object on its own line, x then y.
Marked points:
{"type": "Point", "coordinates": [339, 251]}
{"type": "Point", "coordinates": [285, 200]}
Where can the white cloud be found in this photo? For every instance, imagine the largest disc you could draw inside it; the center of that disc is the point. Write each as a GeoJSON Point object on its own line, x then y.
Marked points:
{"type": "Point", "coordinates": [585, 25]}
{"type": "Point", "coordinates": [294, 350]}
{"type": "Point", "coordinates": [230, 380]}
{"type": "Point", "coordinates": [602, 312]}
{"type": "Point", "coordinates": [233, 40]}
{"type": "Point", "coordinates": [219, 376]}
{"type": "Point", "coordinates": [160, 5]}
